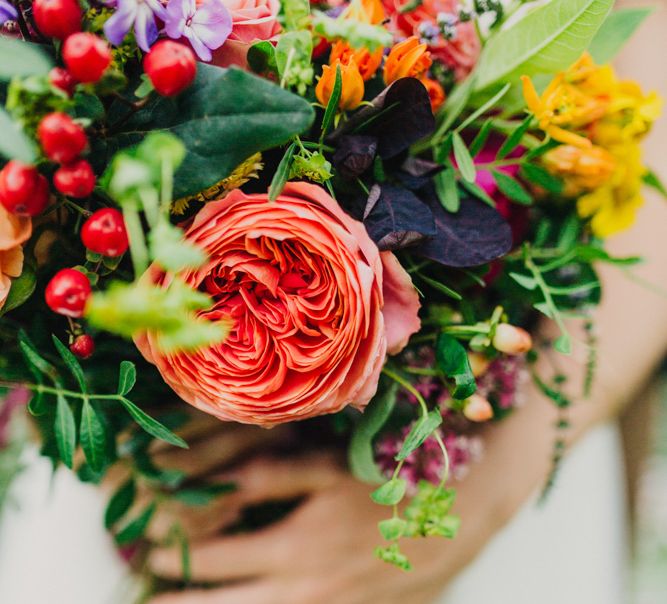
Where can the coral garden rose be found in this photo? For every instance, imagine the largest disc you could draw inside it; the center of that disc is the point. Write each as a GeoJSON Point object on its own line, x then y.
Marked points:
{"type": "Point", "coordinates": [14, 230]}
{"type": "Point", "coordinates": [460, 53]}
{"type": "Point", "coordinates": [314, 306]}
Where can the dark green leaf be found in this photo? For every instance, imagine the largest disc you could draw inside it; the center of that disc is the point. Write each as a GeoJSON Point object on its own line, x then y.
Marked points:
{"type": "Point", "coordinates": [282, 173]}
{"type": "Point", "coordinates": [21, 59]}
{"type": "Point", "coordinates": [652, 180]}
{"type": "Point", "coordinates": [361, 456]}
{"type": "Point", "coordinates": [71, 361]}
{"type": "Point", "coordinates": [441, 287]}
{"type": "Point", "coordinates": [22, 288]}
{"type": "Point", "coordinates": [332, 105]}
{"type": "Point", "coordinates": [87, 105]}
{"type": "Point", "coordinates": [421, 430]}
{"type": "Point", "coordinates": [445, 187]}
{"type": "Point", "coordinates": [481, 137]}
{"type": "Point", "coordinates": [463, 159]}
{"type": "Point", "coordinates": [262, 58]}
{"type": "Point", "coordinates": [452, 360]}
{"type": "Point", "coordinates": [201, 496]}
{"type": "Point", "coordinates": [135, 529]}
{"type": "Point", "coordinates": [36, 363]}
{"type": "Point", "coordinates": [542, 177]}
{"type": "Point", "coordinates": [152, 426]}
{"type": "Point", "coordinates": [92, 436]}
{"type": "Point", "coordinates": [37, 405]}
{"type": "Point", "coordinates": [390, 493]}
{"type": "Point", "coordinates": [127, 377]}
{"type": "Point", "coordinates": [511, 188]}
{"type": "Point", "coordinates": [65, 430]}
{"type": "Point", "coordinates": [119, 504]}
{"type": "Point", "coordinates": [514, 139]}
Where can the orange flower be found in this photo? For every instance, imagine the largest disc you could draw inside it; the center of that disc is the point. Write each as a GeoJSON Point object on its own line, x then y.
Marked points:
{"type": "Point", "coordinates": [367, 62]}
{"type": "Point", "coordinates": [408, 59]}
{"type": "Point", "coordinates": [11, 265]}
{"type": "Point", "coordinates": [435, 92]}
{"type": "Point", "coordinates": [352, 92]}
{"type": "Point", "coordinates": [581, 169]}
{"type": "Point", "coordinates": [315, 308]}
{"type": "Point", "coordinates": [14, 230]}
{"type": "Point", "coordinates": [366, 11]}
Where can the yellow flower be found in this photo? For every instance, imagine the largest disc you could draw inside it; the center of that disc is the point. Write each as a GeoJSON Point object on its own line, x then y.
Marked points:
{"type": "Point", "coordinates": [613, 206]}
{"type": "Point", "coordinates": [250, 168]}
{"type": "Point", "coordinates": [352, 92]}
{"type": "Point", "coordinates": [581, 169]}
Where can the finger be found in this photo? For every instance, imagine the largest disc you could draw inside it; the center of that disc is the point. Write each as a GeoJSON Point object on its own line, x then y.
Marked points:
{"type": "Point", "coordinates": [256, 592]}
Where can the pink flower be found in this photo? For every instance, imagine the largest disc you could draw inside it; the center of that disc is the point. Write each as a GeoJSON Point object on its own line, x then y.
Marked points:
{"type": "Point", "coordinates": [314, 308]}
{"type": "Point", "coordinates": [459, 53]}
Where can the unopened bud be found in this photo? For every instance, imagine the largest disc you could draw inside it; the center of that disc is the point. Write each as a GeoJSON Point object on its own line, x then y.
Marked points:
{"type": "Point", "coordinates": [512, 340]}
{"type": "Point", "coordinates": [478, 409]}
{"type": "Point", "coordinates": [478, 363]}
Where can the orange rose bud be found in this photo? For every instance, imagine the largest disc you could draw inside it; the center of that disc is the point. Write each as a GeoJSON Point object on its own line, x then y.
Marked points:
{"type": "Point", "coordinates": [408, 59]}
{"type": "Point", "coordinates": [435, 92]}
{"type": "Point", "coordinates": [352, 92]}
{"type": "Point", "coordinates": [512, 340]}
{"type": "Point", "coordinates": [478, 363]}
{"type": "Point", "coordinates": [367, 62]}
{"type": "Point", "coordinates": [478, 409]}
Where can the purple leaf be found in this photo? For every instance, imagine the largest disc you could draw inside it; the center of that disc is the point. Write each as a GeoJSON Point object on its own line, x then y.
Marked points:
{"type": "Point", "coordinates": [354, 155]}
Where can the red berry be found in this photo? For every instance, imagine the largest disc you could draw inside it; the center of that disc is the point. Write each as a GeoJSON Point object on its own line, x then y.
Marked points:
{"type": "Point", "coordinates": [61, 137]}
{"type": "Point", "coordinates": [57, 18]}
{"type": "Point", "coordinates": [104, 233]}
{"type": "Point", "coordinates": [76, 179]}
{"type": "Point", "coordinates": [87, 56]}
{"type": "Point", "coordinates": [61, 78]}
{"type": "Point", "coordinates": [170, 66]}
{"type": "Point", "coordinates": [23, 190]}
{"type": "Point", "coordinates": [83, 346]}
{"type": "Point", "coordinates": [68, 292]}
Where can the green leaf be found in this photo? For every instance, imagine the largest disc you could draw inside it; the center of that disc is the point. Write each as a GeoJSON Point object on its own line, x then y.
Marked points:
{"type": "Point", "coordinates": [475, 190]}
{"type": "Point", "coordinates": [35, 362]}
{"type": "Point", "coordinates": [21, 289]}
{"type": "Point", "coordinates": [393, 528]}
{"type": "Point", "coordinates": [282, 173]}
{"type": "Point", "coordinates": [652, 180]}
{"type": "Point", "coordinates": [92, 436]}
{"type": "Point", "coordinates": [441, 287]}
{"type": "Point", "coordinates": [484, 108]}
{"type": "Point", "coordinates": [226, 116]}
{"type": "Point", "coordinates": [447, 191]}
{"type": "Point", "coordinates": [296, 13]}
{"type": "Point", "coordinates": [152, 426]}
{"type": "Point", "coordinates": [546, 40]}
{"type": "Point", "coordinates": [524, 281]}
{"type": "Point", "coordinates": [127, 377]}
{"type": "Point", "coordinates": [511, 188]}
{"type": "Point", "coordinates": [390, 493]}
{"type": "Point", "coordinates": [563, 344]}
{"type": "Point", "coordinates": [481, 137]}
{"type": "Point", "coordinates": [21, 59]}
{"type": "Point", "coordinates": [135, 529]}
{"type": "Point", "coordinates": [452, 359]}
{"type": "Point", "coordinates": [120, 503]}
{"type": "Point", "coordinates": [65, 431]}
{"type": "Point", "coordinates": [332, 105]}
{"type": "Point", "coordinates": [171, 251]}
{"type": "Point", "coordinates": [87, 105]}
{"type": "Point", "coordinates": [462, 155]}
{"type": "Point", "coordinates": [355, 33]}
{"type": "Point", "coordinates": [421, 430]}
{"type": "Point", "coordinates": [456, 102]}
{"type": "Point", "coordinates": [262, 58]}
{"type": "Point", "coordinates": [14, 144]}
{"type": "Point", "coordinates": [542, 177]}
{"type": "Point", "coordinates": [204, 495]}
{"type": "Point", "coordinates": [617, 29]}
{"type": "Point", "coordinates": [37, 405]}
{"type": "Point", "coordinates": [361, 457]}
{"type": "Point", "coordinates": [514, 139]}
{"type": "Point", "coordinates": [71, 361]}
{"type": "Point", "coordinates": [393, 555]}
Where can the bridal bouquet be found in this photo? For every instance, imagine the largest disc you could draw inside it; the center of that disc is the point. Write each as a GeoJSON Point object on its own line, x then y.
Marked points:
{"type": "Point", "coordinates": [275, 211]}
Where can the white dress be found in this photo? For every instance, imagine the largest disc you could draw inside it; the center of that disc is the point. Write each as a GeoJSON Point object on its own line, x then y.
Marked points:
{"type": "Point", "coordinates": [53, 547]}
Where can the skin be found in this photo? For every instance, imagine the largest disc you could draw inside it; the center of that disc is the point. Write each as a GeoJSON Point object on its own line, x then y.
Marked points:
{"type": "Point", "coordinates": [323, 550]}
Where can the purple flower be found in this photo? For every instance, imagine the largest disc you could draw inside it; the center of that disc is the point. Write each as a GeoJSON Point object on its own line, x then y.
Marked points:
{"type": "Point", "coordinates": [7, 12]}
{"type": "Point", "coordinates": [141, 14]}
{"type": "Point", "coordinates": [206, 27]}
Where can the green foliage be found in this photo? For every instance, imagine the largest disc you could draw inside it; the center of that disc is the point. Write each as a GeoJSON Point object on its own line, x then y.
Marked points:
{"type": "Point", "coordinates": [310, 165]}
{"type": "Point", "coordinates": [22, 287]}
{"type": "Point", "coordinates": [293, 60]}
{"type": "Point", "coordinates": [65, 431]}
{"type": "Point", "coordinates": [390, 493]}
{"type": "Point", "coordinates": [393, 528]}
{"type": "Point", "coordinates": [360, 453]}
{"type": "Point", "coordinates": [393, 555]}
{"type": "Point", "coordinates": [120, 503]}
{"type": "Point", "coordinates": [452, 359]}
{"type": "Point", "coordinates": [332, 105]}
{"type": "Point", "coordinates": [135, 528]}
{"type": "Point", "coordinates": [546, 40]}
{"type": "Point", "coordinates": [511, 188]}
{"type": "Point", "coordinates": [297, 14]}
{"type": "Point", "coordinates": [355, 33]}
{"type": "Point", "coordinates": [446, 189]}
{"type": "Point", "coordinates": [203, 495]}
{"type": "Point", "coordinates": [22, 59]}
{"type": "Point", "coordinates": [463, 159]}
{"type": "Point", "coordinates": [428, 512]}
{"type": "Point", "coordinates": [171, 251]}
{"type": "Point", "coordinates": [617, 29]}
{"type": "Point", "coordinates": [282, 173]}
{"type": "Point", "coordinates": [421, 430]}
{"type": "Point", "coordinates": [14, 143]}
{"type": "Point", "coordinates": [262, 58]}
{"type": "Point", "coordinates": [93, 437]}
{"type": "Point", "coordinates": [152, 426]}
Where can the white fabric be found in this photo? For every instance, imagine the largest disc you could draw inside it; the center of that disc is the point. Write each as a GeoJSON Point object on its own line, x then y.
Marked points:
{"type": "Point", "coordinates": [53, 548]}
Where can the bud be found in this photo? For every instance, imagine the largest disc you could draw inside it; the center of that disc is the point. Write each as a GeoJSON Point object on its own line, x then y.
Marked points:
{"type": "Point", "coordinates": [367, 62]}
{"type": "Point", "coordinates": [478, 363]}
{"type": "Point", "coordinates": [512, 340]}
{"type": "Point", "coordinates": [478, 409]}
{"type": "Point", "coordinates": [352, 92]}
{"type": "Point", "coordinates": [408, 59]}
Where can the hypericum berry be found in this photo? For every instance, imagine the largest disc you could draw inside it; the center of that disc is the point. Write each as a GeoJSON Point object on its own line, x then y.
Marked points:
{"type": "Point", "coordinates": [83, 346]}
{"type": "Point", "coordinates": [478, 409]}
{"type": "Point", "coordinates": [62, 79]}
{"type": "Point", "coordinates": [87, 56]}
{"type": "Point", "coordinates": [171, 67]}
{"type": "Point", "coordinates": [511, 339]}
{"type": "Point", "coordinates": [23, 190]}
{"type": "Point", "coordinates": [75, 180]}
{"type": "Point", "coordinates": [57, 18]}
{"type": "Point", "coordinates": [104, 233]}
{"type": "Point", "coordinates": [61, 137]}
{"type": "Point", "coordinates": [68, 292]}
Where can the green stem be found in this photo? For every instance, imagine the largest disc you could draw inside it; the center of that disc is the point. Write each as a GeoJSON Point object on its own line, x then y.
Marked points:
{"type": "Point", "coordinates": [138, 249]}
{"type": "Point", "coordinates": [409, 387]}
